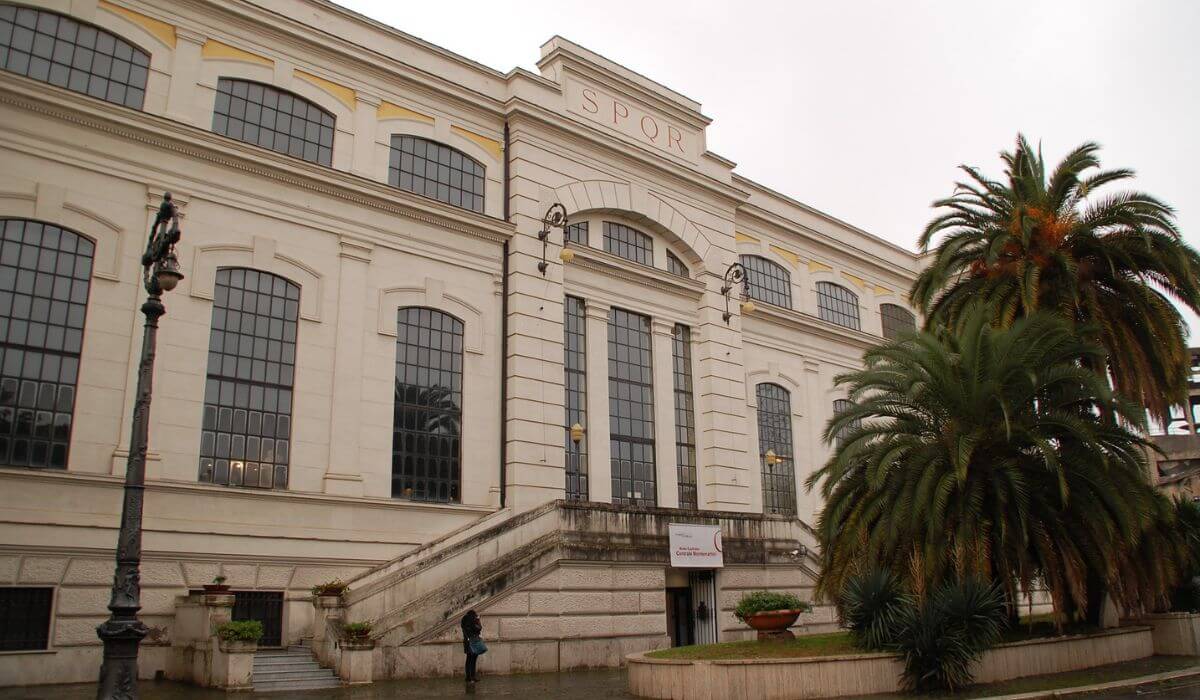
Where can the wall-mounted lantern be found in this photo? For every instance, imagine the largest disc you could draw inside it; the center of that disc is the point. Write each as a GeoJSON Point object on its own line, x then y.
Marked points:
{"type": "Point", "coordinates": [556, 217]}
{"type": "Point", "coordinates": [576, 433]}
{"type": "Point", "coordinates": [736, 275]}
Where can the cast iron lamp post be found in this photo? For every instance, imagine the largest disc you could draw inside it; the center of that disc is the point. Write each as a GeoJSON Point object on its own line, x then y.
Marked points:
{"type": "Point", "coordinates": [735, 275]}
{"type": "Point", "coordinates": [123, 631]}
{"type": "Point", "coordinates": [555, 217]}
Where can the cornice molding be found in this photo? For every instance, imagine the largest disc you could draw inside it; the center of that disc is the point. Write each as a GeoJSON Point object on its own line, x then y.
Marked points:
{"type": "Point", "coordinates": [610, 265]}
{"type": "Point", "coordinates": [190, 141]}
{"type": "Point", "coordinates": [807, 324]}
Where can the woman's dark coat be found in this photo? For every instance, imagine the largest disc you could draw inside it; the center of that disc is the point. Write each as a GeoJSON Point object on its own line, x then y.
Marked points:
{"type": "Point", "coordinates": [471, 627]}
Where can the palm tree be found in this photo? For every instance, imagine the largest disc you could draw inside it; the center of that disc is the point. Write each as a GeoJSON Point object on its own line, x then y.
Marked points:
{"type": "Point", "coordinates": [1032, 242]}
{"type": "Point", "coordinates": [989, 452]}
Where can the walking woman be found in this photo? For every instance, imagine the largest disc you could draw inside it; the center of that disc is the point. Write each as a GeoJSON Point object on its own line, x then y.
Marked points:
{"type": "Point", "coordinates": [473, 645]}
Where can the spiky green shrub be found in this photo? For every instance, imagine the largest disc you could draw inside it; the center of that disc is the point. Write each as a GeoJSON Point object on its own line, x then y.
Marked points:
{"type": "Point", "coordinates": [871, 606]}
{"type": "Point", "coordinates": [942, 637]}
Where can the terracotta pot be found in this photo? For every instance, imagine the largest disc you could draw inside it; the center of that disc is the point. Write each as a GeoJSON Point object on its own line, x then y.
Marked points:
{"type": "Point", "coordinates": [773, 620]}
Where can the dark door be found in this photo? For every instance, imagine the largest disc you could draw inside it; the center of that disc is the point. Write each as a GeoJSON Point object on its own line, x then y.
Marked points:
{"type": "Point", "coordinates": [267, 608]}
{"type": "Point", "coordinates": [680, 625]}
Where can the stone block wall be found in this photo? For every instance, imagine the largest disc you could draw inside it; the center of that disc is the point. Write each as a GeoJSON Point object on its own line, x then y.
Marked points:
{"type": "Point", "coordinates": [734, 582]}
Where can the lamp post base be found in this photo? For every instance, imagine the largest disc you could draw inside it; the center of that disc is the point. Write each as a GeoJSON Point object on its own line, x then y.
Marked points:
{"type": "Point", "coordinates": [119, 672]}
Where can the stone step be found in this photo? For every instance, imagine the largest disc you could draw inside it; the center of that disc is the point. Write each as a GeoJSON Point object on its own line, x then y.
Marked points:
{"type": "Point", "coordinates": [275, 686]}
{"type": "Point", "coordinates": [307, 674]}
{"type": "Point", "coordinates": [285, 660]}
{"type": "Point", "coordinates": [276, 653]}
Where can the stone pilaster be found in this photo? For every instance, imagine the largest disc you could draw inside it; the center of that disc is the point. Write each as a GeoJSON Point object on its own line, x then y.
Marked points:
{"type": "Point", "coordinates": [365, 120]}
{"type": "Point", "coordinates": [344, 473]}
{"type": "Point", "coordinates": [599, 450]}
{"type": "Point", "coordinates": [665, 467]}
{"type": "Point", "coordinates": [185, 74]}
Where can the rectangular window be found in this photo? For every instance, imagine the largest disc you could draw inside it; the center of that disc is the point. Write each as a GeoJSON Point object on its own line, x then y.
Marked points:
{"type": "Point", "coordinates": [631, 408]}
{"type": "Point", "coordinates": [685, 416]}
{"type": "Point", "coordinates": [25, 618]}
{"type": "Point", "coordinates": [575, 371]}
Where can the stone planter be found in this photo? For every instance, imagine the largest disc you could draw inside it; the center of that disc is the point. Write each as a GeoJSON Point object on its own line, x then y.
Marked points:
{"type": "Point", "coordinates": [355, 666]}
{"type": "Point", "coordinates": [773, 625]}
{"type": "Point", "coordinates": [233, 665]}
{"type": "Point", "coordinates": [1175, 633]}
{"type": "Point", "coordinates": [328, 601]}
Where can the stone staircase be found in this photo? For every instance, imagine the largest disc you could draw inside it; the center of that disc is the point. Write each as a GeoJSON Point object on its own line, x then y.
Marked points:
{"type": "Point", "coordinates": [293, 668]}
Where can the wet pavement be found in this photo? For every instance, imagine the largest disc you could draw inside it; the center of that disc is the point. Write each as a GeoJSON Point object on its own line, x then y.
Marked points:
{"type": "Point", "coordinates": [577, 685]}
{"type": "Point", "coordinates": [1188, 689]}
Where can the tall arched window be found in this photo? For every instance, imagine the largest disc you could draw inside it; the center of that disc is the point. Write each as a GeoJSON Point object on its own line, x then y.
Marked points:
{"type": "Point", "coordinates": [838, 305]}
{"type": "Point", "coordinates": [775, 449]}
{"type": "Point", "coordinates": [427, 423]}
{"type": "Point", "coordinates": [767, 281]}
{"type": "Point", "coordinates": [56, 49]}
{"type": "Point", "coordinates": [274, 119]}
{"type": "Point", "coordinates": [897, 321]}
{"type": "Point", "coordinates": [840, 405]}
{"type": "Point", "coordinates": [631, 409]}
{"type": "Point", "coordinates": [437, 171]}
{"type": "Point", "coordinates": [45, 274]}
{"type": "Point", "coordinates": [247, 427]}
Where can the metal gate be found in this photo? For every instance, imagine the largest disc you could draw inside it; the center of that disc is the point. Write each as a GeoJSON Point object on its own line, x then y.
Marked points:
{"type": "Point", "coordinates": [267, 608]}
{"type": "Point", "coordinates": [704, 598]}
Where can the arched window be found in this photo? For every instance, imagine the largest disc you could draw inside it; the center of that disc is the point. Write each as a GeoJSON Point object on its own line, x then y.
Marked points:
{"type": "Point", "coordinates": [427, 423]}
{"type": "Point", "coordinates": [577, 233]}
{"type": "Point", "coordinates": [274, 119]}
{"type": "Point", "coordinates": [767, 281]}
{"type": "Point", "coordinates": [897, 321]}
{"type": "Point", "coordinates": [838, 305]}
{"type": "Point", "coordinates": [675, 266]}
{"type": "Point", "coordinates": [45, 274]}
{"type": "Point", "coordinates": [775, 449]}
{"type": "Point", "coordinates": [56, 49]}
{"type": "Point", "coordinates": [628, 243]}
{"type": "Point", "coordinates": [247, 427]}
{"type": "Point", "coordinates": [839, 406]}
{"type": "Point", "coordinates": [437, 171]}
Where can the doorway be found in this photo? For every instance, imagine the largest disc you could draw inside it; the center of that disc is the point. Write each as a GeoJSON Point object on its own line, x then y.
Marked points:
{"type": "Point", "coordinates": [680, 623]}
{"type": "Point", "coordinates": [703, 588]}
{"type": "Point", "coordinates": [267, 608]}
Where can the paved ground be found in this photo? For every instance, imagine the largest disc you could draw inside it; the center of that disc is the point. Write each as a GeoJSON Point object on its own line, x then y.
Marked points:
{"type": "Point", "coordinates": [1170, 690]}
{"type": "Point", "coordinates": [582, 685]}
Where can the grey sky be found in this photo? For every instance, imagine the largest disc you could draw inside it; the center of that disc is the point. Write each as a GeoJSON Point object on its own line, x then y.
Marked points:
{"type": "Point", "coordinates": [863, 109]}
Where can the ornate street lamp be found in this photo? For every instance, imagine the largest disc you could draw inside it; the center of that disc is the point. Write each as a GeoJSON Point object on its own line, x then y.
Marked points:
{"type": "Point", "coordinates": [736, 275]}
{"type": "Point", "coordinates": [123, 631]}
{"type": "Point", "coordinates": [556, 217]}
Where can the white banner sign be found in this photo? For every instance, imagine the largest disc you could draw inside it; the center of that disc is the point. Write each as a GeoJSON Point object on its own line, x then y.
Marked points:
{"type": "Point", "coordinates": [696, 546]}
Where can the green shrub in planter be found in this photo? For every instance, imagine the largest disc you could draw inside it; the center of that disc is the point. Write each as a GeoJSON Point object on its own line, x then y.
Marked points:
{"type": "Point", "coordinates": [356, 630]}
{"type": "Point", "coordinates": [240, 631]}
{"type": "Point", "coordinates": [334, 587]}
{"type": "Point", "coordinates": [768, 601]}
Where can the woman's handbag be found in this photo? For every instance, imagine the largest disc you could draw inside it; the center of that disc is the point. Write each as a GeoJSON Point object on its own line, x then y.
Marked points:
{"type": "Point", "coordinates": [478, 648]}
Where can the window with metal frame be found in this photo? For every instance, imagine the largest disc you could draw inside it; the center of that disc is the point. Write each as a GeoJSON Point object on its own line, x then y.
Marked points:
{"type": "Point", "coordinates": [775, 445]}
{"type": "Point", "coordinates": [767, 281]}
{"type": "Point", "coordinates": [25, 618]}
{"type": "Point", "coordinates": [685, 415]}
{"type": "Point", "coordinates": [631, 408]}
{"type": "Point", "coordinates": [427, 424]}
{"type": "Point", "coordinates": [675, 266]}
{"type": "Point", "coordinates": [575, 377]}
{"type": "Point", "coordinates": [45, 278]}
{"type": "Point", "coordinates": [897, 321]}
{"type": "Point", "coordinates": [52, 48]}
{"type": "Point", "coordinates": [628, 243]}
{"type": "Point", "coordinates": [577, 233]}
{"type": "Point", "coordinates": [839, 406]}
{"type": "Point", "coordinates": [837, 304]}
{"type": "Point", "coordinates": [247, 423]}
{"type": "Point", "coordinates": [272, 118]}
{"type": "Point", "coordinates": [437, 171]}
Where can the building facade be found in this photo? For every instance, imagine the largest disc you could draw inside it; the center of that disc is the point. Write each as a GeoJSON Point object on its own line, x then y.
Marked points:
{"type": "Point", "coordinates": [367, 373]}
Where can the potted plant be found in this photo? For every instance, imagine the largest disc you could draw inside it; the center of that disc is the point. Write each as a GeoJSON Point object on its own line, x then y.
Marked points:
{"type": "Point", "coordinates": [770, 613]}
{"type": "Point", "coordinates": [217, 585]}
{"type": "Point", "coordinates": [335, 587]}
{"type": "Point", "coordinates": [356, 631]}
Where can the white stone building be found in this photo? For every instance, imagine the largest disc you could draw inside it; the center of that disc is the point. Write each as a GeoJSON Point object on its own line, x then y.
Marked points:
{"type": "Point", "coordinates": [365, 375]}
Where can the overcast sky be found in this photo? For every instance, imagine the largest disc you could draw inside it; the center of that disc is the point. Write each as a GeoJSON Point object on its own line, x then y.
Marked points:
{"type": "Point", "coordinates": [863, 109]}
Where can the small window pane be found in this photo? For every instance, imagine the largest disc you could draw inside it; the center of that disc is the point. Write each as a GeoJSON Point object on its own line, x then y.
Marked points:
{"type": "Point", "coordinates": [839, 406]}
{"type": "Point", "coordinates": [675, 266]}
{"type": "Point", "coordinates": [45, 46]}
{"type": "Point", "coordinates": [243, 110]}
{"type": "Point", "coordinates": [25, 618]}
{"type": "Point", "coordinates": [435, 170]}
{"type": "Point", "coordinates": [578, 233]}
{"type": "Point", "coordinates": [628, 243]}
{"type": "Point", "coordinates": [238, 423]}
{"type": "Point", "coordinates": [775, 437]}
{"type": "Point", "coordinates": [767, 281]}
{"type": "Point", "coordinates": [838, 305]}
